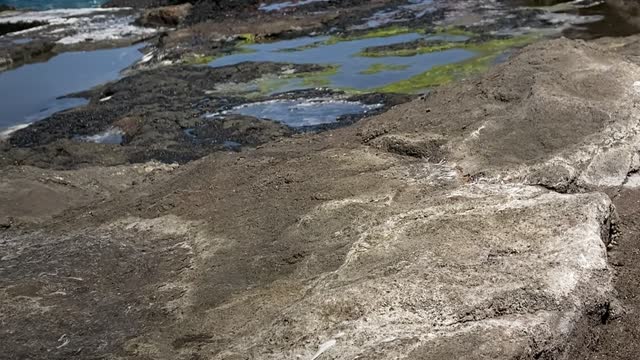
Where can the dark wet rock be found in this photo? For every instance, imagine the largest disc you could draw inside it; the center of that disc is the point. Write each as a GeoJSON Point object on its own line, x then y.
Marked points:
{"type": "Point", "coordinates": [5, 223]}
{"type": "Point", "coordinates": [214, 28]}
{"type": "Point", "coordinates": [167, 98]}
{"type": "Point", "coordinates": [415, 44]}
{"type": "Point", "coordinates": [141, 3]}
{"type": "Point", "coordinates": [6, 28]}
{"type": "Point", "coordinates": [5, 62]}
{"type": "Point", "coordinates": [356, 14]}
{"type": "Point", "coordinates": [216, 9]}
{"type": "Point", "coordinates": [513, 19]}
{"type": "Point", "coordinates": [628, 9]}
{"type": "Point", "coordinates": [4, 7]}
{"type": "Point", "coordinates": [389, 99]}
{"type": "Point", "coordinates": [33, 51]}
{"type": "Point", "coordinates": [244, 130]}
{"type": "Point", "coordinates": [67, 124]}
{"type": "Point", "coordinates": [153, 109]}
{"type": "Point", "coordinates": [436, 44]}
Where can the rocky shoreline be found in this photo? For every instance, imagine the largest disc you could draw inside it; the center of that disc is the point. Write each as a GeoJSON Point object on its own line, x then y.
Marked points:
{"type": "Point", "coordinates": [169, 90]}
{"type": "Point", "coordinates": [494, 216]}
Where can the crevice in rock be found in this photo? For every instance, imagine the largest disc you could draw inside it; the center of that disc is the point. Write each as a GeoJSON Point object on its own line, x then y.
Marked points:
{"type": "Point", "coordinates": [421, 148]}
{"type": "Point", "coordinates": [632, 171]}
{"type": "Point", "coordinates": [7, 28]}
{"type": "Point", "coordinates": [570, 187]}
{"type": "Point", "coordinates": [611, 228]}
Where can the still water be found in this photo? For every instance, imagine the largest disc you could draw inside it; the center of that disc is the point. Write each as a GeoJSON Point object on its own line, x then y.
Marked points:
{"type": "Point", "coordinates": [352, 69]}
{"type": "Point", "coordinates": [33, 92]}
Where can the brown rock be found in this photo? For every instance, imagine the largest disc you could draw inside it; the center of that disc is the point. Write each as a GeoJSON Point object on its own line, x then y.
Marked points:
{"type": "Point", "coordinates": [170, 16]}
{"type": "Point", "coordinates": [130, 125]}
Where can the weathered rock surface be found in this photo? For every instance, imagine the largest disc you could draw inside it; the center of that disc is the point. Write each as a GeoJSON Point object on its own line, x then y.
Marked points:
{"type": "Point", "coordinates": [417, 234]}
{"type": "Point", "coordinates": [69, 29]}
{"type": "Point", "coordinates": [562, 115]}
{"type": "Point", "coordinates": [33, 51]}
{"type": "Point", "coordinates": [165, 16]}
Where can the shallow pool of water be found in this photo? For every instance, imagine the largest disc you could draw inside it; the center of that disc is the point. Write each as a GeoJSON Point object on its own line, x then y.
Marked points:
{"type": "Point", "coordinates": [303, 112]}
{"type": "Point", "coordinates": [33, 92]}
{"type": "Point", "coordinates": [352, 71]}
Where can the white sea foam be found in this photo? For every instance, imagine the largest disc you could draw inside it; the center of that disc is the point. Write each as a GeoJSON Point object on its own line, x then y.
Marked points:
{"type": "Point", "coordinates": [110, 136]}
{"type": "Point", "coordinates": [5, 133]}
{"type": "Point", "coordinates": [72, 26]}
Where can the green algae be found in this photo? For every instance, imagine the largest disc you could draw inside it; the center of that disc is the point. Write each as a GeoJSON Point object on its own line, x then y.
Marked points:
{"type": "Point", "coordinates": [444, 74]}
{"type": "Point", "coordinates": [380, 67]}
{"type": "Point", "coordinates": [247, 39]}
{"type": "Point", "coordinates": [375, 33]}
{"type": "Point", "coordinates": [304, 47]}
{"type": "Point", "coordinates": [271, 85]}
{"type": "Point", "coordinates": [487, 52]}
{"type": "Point", "coordinates": [485, 47]}
{"type": "Point", "coordinates": [317, 78]}
{"type": "Point", "coordinates": [424, 49]}
{"type": "Point", "coordinates": [440, 75]}
{"type": "Point", "coordinates": [500, 45]}
{"type": "Point", "coordinates": [197, 59]}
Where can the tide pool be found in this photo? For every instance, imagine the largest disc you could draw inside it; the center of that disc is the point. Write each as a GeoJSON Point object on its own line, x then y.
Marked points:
{"type": "Point", "coordinates": [33, 92]}
{"type": "Point", "coordinates": [303, 112]}
{"type": "Point", "coordinates": [352, 71]}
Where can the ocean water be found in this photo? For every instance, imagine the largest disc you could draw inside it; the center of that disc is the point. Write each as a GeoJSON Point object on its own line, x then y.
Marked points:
{"type": "Point", "coordinates": [52, 4]}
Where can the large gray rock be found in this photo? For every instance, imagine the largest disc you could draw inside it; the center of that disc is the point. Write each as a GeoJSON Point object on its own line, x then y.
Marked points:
{"type": "Point", "coordinates": [561, 114]}
{"type": "Point", "coordinates": [339, 246]}
{"type": "Point", "coordinates": [417, 266]}
{"type": "Point", "coordinates": [495, 272]}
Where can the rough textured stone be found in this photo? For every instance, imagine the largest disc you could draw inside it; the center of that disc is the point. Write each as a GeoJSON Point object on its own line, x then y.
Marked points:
{"type": "Point", "coordinates": [353, 243]}
{"type": "Point", "coordinates": [503, 270]}
{"type": "Point", "coordinates": [170, 16]}
{"type": "Point", "coordinates": [562, 113]}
